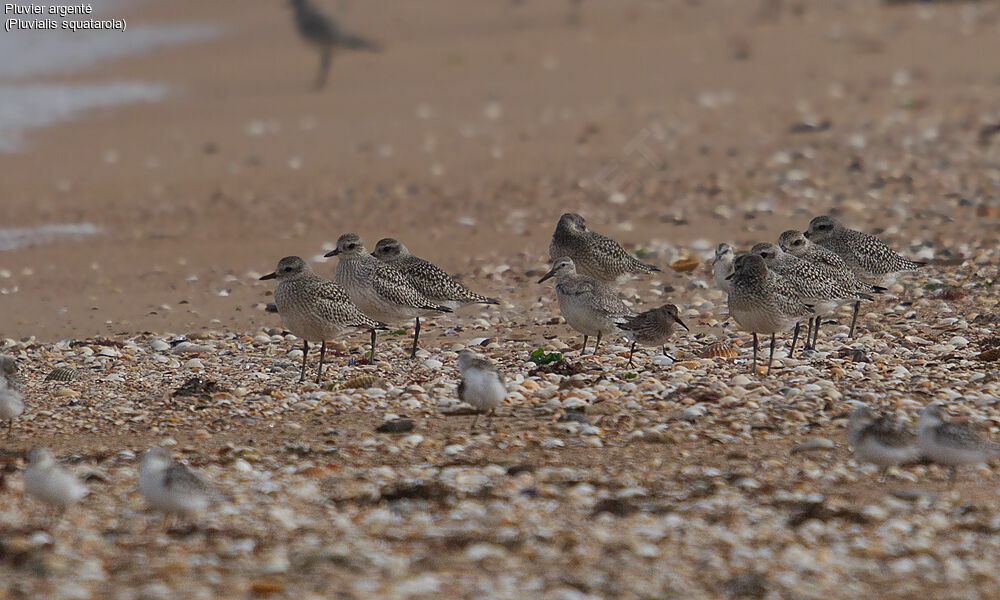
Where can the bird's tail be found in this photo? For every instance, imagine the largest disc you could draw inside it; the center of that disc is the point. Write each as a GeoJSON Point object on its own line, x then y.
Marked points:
{"type": "Point", "coordinates": [437, 308]}
{"type": "Point", "coordinates": [651, 267]}
{"type": "Point", "coordinates": [912, 264]}
{"type": "Point", "coordinates": [356, 42]}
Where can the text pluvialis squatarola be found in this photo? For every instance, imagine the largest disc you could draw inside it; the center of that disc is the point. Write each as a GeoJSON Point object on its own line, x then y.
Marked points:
{"type": "Point", "coordinates": [722, 266]}
{"type": "Point", "coordinates": [48, 482]}
{"type": "Point", "coordinates": [867, 256]}
{"type": "Point", "coordinates": [761, 301]}
{"type": "Point", "coordinates": [651, 328]}
{"type": "Point", "coordinates": [11, 398]}
{"type": "Point", "coordinates": [314, 308]}
{"type": "Point", "coordinates": [322, 31]}
{"type": "Point", "coordinates": [880, 440]}
{"type": "Point", "coordinates": [429, 279]}
{"type": "Point", "coordinates": [594, 255]}
{"type": "Point", "coordinates": [169, 486]}
{"type": "Point", "coordinates": [951, 444]}
{"type": "Point", "coordinates": [482, 385]}
{"type": "Point", "coordinates": [379, 289]}
{"type": "Point", "coordinates": [589, 306]}
{"type": "Point", "coordinates": [794, 242]}
{"type": "Point", "coordinates": [810, 283]}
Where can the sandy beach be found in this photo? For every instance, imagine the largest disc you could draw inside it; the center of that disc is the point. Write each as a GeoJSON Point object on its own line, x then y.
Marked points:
{"type": "Point", "coordinates": [671, 126]}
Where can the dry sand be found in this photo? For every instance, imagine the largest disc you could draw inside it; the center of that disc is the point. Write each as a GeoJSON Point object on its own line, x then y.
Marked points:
{"type": "Point", "coordinates": [477, 126]}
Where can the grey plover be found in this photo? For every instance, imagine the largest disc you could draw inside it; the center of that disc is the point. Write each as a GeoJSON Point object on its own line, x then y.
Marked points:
{"type": "Point", "coordinates": [589, 306]}
{"type": "Point", "coordinates": [761, 301]}
{"type": "Point", "coordinates": [722, 266]}
{"type": "Point", "coordinates": [48, 482]}
{"type": "Point", "coordinates": [314, 308]}
{"type": "Point", "coordinates": [322, 31]}
{"type": "Point", "coordinates": [651, 328]}
{"type": "Point", "coordinates": [950, 443]}
{"type": "Point", "coordinates": [169, 486]}
{"type": "Point", "coordinates": [379, 289]}
{"type": "Point", "coordinates": [11, 398]}
{"type": "Point", "coordinates": [810, 283]}
{"type": "Point", "coordinates": [880, 440]}
{"type": "Point", "coordinates": [594, 255]}
{"type": "Point", "coordinates": [482, 385]}
{"type": "Point", "coordinates": [867, 256]}
{"type": "Point", "coordinates": [794, 242]}
{"type": "Point", "coordinates": [429, 279]}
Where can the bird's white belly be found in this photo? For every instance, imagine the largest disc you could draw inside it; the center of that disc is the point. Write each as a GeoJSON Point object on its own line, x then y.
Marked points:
{"type": "Point", "coordinates": [483, 390]}
{"type": "Point", "coordinates": [583, 318]}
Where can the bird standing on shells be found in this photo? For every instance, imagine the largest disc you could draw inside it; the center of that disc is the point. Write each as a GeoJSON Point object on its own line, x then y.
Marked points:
{"type": "Point", "coordinates": [170, 487]}
{"type": "Point", "coordinates": [589, 306]}
{"type": "Point", "coordinates": [429, 279]}
{"type": "Point", "coordinates": [722, 266]}
{"type": "Point", "coordinates": [867, 256]}
{"type": "Point", "coordinates": [11, 399]}
{"type": "Point", "coordinates": [379, 289]}
{"type": "Point", "coordinates": [594, 255]}
{"type": "Point", "coordinates": [952, 444]}
{"type": "Point", "coordinates": [482, 385]}
{"type": "Point", "coordinates": [794, 242]}
{"type": "Point", "coordinates": [322, 31]}
{"type": "Point", "coordinates": [809, 283]}
{"type": "Point", "coordinates": [880, 440]}
{"type": "Point", "coordinates": [314, 308]}
{"type": "Point", "coordinates": [651, 328]}
{"type": "Point", "coordinates": [48, 482]}
{"type": "Point", "coordinates": [761, 301]}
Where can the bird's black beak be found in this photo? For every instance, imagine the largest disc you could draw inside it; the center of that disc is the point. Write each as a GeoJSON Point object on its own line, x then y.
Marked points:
{"type": "Point", "coordinates": [678, 319]}
{"type": "Point", "coordinates": [730, 276]}
{"type": "Point", "coordinates": [269, 276]}
{"type": "Point", "coordinates": [547, 275]}
{"type": "Point", "coordinates": [806, 234]}
{"type": "Point", "coordinates": [333, 252]}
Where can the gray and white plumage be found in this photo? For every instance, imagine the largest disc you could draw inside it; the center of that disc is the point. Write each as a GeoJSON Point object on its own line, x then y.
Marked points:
{"type": "Point", "coordinates": [652, 327]}
{"type": "Point", "coordinates": [589, 306]}
{"type": "Point", "coordinates": [432, 281]}
{"type": "Point", "coordinates": [321, 30]}
{"type": "Point", "coordinates": [379, 289]}
{"type": "Point", "coordinates": [482, 385]}
{"type": "Point", "coordinates": [169, 486]}
{"type": "Point", "coordinates": [811, 284]}
{"type": "Point", "coordinates": [50, 483]}
{"type": "Point", "coordinates": [867, 256]}
{"type": "Point", "coordinates": [11, 398]}
{"type": "Point", "coordinates": [313, 307]}
{"type": "Point", "coordinates": [794, 242]}
{"type": "Point", "coordinates": [949, 443]}
{"type": "Point", "coordinates": [880, 440]}
{"type": "Point", "coordinates": [762, 301]}
{"type": "Point", "coordinates": [594, 255]}
{"type": "Point", "coordinates": [722, 266]}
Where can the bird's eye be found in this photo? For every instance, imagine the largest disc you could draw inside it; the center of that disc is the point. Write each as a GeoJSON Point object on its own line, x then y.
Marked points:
{"type": "Point", "coordinates": [351, 246]}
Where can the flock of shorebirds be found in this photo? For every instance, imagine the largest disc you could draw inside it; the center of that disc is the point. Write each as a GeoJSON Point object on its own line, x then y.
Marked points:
{"type": "Point", "coordinates": [771, 289]}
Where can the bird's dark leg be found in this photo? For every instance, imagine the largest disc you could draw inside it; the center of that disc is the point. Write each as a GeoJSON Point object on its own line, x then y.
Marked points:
{"type": "Point", "coordinates": [754, 367]}
{"type": "Point", "coordinates": [795, 336]}
{"type": "Point", "coordinates": [951, 476]}
{"type": "Point", "coordinates": [305, 352]}
{"type": "Point", "coordinates": [631, 350]}
{"type": "Point", "coordinates": [598, 344]}
{"type": "Point", "coordinates": [322, 352]}
{"type": "Point", "coordinates": [584, 349]}
{"type": "Point", "coordinates": [474, 419]}
{"type": "Point", "coordinates": [489, 419]}
{"type": "Point", "coordinates": [854, 318]}
{"type": "Point", "coordinates": [416, 336]}
{"type": "Point", "coordinates": [771, 359]}
{"type": "Point", "coordinates": [371, 358]}
{"type": "Point", "coordinates": [816, 332]}
{"type": "Point", "coordinates": [809, 330]}
{"type": "Point", "coordinates": [325, 57]}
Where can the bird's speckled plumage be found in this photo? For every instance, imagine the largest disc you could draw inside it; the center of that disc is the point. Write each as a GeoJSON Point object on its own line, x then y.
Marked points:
{"type": "Point", "coordinates": [762, 301]}
{"type": "Point", "coordinates": [809, 283]}
{"type": "Point", "coordinates": [722, 266]}
{"type": "Point", "coordinates": [949, 443]}
{"type": "Point", "coordinates": [867, 256]}
{"type": "Point", "coordinates": [432, 281]}
{"type": "Point", "coordinates": [880, 440]}
{"type": "Point", "coordinates": [653, 327]}
{"type": "Point", "coordinates": [795, 243]}
{"type": "Point", "coordinates": [589, 306]}
{"type": "Point", "coordinates": [594, 255]}
{"type": "Point", "coordinates": [379, 289]}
